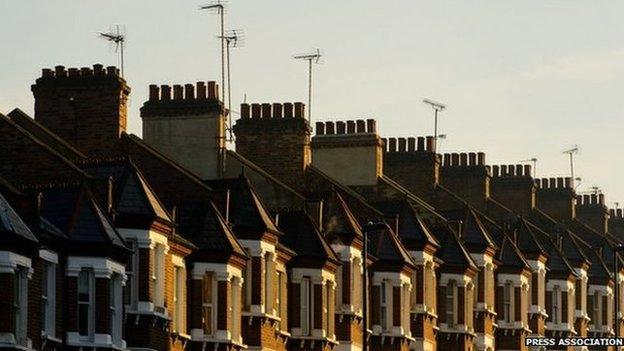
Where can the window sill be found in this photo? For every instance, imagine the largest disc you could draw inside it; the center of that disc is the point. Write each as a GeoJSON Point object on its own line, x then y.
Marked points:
{"type": "Point", "coordinates": [47, 337]}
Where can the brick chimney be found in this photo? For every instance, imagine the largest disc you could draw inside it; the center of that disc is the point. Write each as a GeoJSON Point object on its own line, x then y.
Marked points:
{"type": "Point", "coordinates": [514, 187]}
{"type": "Point", "coordinates": [412, 162]}
{"type": "Point", "coordinates": [467, 175]}
{"type": "Point", "coordinates": [276, 137]}
{"type": "Point", "coordinates": [556, 197]}
{"type": "Point", "coordinates": [616, 223]}
{"type": "Point", "coordinates": [351, 151]}
{"type": "Point", "coordinates": [591, 210]}
{"type": "Point", "coordinates": [86, 107]}
{"type": "Point", "coordinates": [188, 127]}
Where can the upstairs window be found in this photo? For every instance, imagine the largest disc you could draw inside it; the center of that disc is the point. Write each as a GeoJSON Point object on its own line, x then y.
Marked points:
{"type": "Point", "coordinates": [132, 268]}
{"type": "Point", "coordinates": [179, 300]}
{"type": "Point", "coordinates": [451, 304]}
{"type": "Point", "coordinates": [159, 278]}
{"type": "Point", "coordinates": [306, 306]}
{"type": "Point", "coordinates": [208, 303]}
{"type": "Point", "coordinates": [279, 297]}
{"type": "Point", "coordinates": [507, 302]}
{"type": "Point", "coordinates": [597, 317]}
{"type": "Point", "coordinates": [383, 305]}
{"type": "Point", "coordinates": [116, 313]}
{"type": "Point", "coordinates": [555, 305]}
{"type": "Point", "coordinates": [86, 303]}
{"type": "Point", "coordinates": [48, 298]}
{"type": "Point", "coordinates": [20, 305]}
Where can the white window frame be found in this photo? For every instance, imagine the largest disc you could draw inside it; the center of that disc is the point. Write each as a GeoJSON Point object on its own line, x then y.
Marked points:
{"type": "Point", "coordinates": [383, 305]}
{"type": "Point", "coordinates": [115, 307]}
{"type": "Point", "coordinates": [179, 305]}
{"type": "Point", "coordinates": [132, 273]}
{"type": "Point", "coordinates": [236, 308]}
{"type": "Point", "coordinates": [556, 306]}
{"type": "Point", "coordinates": [20, 305]}
{"type": "Point", "coordinates": [597, 313]}
{"type": "Point", "coordinates": [159, 278]}
{"type": "Point", "coordinates": [306, 306]}
{"type": "Point", "coordinates": [451, 311]}
{"type": "Point", "coordinates": [247, 284]}
{"type": "Point", "coordinates": [279, 297]}
{"type": "Point", "coordinates": [89, 274]}
{"type": "Point", "coordinates": [48, 298]}
{"type": "Point", "coordinates": [508, 303]}
{"type": "Point", "coordinates": [212, 304]}
{"type": "Point", "coordinates": [356, 285]}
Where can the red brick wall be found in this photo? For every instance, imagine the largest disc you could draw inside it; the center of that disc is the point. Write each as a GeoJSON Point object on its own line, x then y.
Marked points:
{"type": "Point", "coordinates": [87, 110]}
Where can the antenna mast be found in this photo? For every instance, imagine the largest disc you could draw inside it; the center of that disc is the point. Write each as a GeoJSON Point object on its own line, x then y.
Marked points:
{"type": "Point", "coordinates": [437, 107]}
{"type": "Point", "coordinates": [313, 57]}
{"type": "Point", "coordinates": [233, 38]}
{"type": "Point", "coordinates": [118, 39]}
{"type": "Point", "coordinates": [573, 151]}
{"type": "Point", "coordinates": [219, 7]}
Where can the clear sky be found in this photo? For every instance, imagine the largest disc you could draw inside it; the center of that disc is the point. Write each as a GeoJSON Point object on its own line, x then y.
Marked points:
{"type": "Point", "coordinates": [522, 78]}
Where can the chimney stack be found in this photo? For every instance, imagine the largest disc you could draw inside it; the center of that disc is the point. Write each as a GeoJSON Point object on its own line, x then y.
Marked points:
{"type": "Point", "coordinates": [556, 197]}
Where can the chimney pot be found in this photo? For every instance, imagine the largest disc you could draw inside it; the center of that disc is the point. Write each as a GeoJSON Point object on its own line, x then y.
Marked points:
{"type": "Point", "coordinates": [463, 159]}
{"type": "Point", "coordinates": [527, 171]}
{"type": "Point", "coordinates": [299, 110]}
{"type": "Point", "coordinates": [201, 91]}
{"type": "Point", "coordinates": [111, 71]}
{"type": "Point", "coordinates": [244, 110]}
{"type": "Point", "coordinates": [560, 183]}
{"type": "Point", "coordinates": [277, 110]}
{"type": "Point", "coordinates": [371, 126]}
{"type": "Point", "coordinates": [177, 92]}
{"type": "Point", "coordinates": [420, 144]}
{"type": "Point", "coordinates": [60, 71]}
{"type": "Point", "coordinates": [503, 171]}
{"type": "Point", "coordinates": [86, 72]}
{"type": "Point", "coordinates": [189, 92]}
{"type": "Point", "coordinates": [256, 110]}
{"type": "Point", "coordinates": [320, 128]}
{"type": "Point", "coordinates": [455, 159]}
{"type": "Point", "coordinates": [511, 170]}
{"type": "Point", "coordinates": [153, 92]}
{"type": "Point", "coordinates": [601, 199]}
{"type": "Point", "coordinates": [266, 110]}
{"type": "Point", "coordinates": [447, 159]}
{"type": "Point", "coordinates": [569, 184]}
{"type": "Point", "coordinates": [360, 126]}
{"type": "Point", "coordinates": [329, 128]}
{"type": "Point", "coordinates": [430, 143]}
{"type": "Point", "coordinates": [392, 144]}
{"type": "Point", "coordinates": [593, 199]}
{"type": "Point", "coordinates": [472, 159]}
{"type": "Point", "coordinates": [480, 158]}
{"type": "Point", "coordinates": [402, 144]}
{"type": "Point", "coordinates": [612, 213]}
{"type": "Point", "coordinates": [98, 70]}
{"type": "Point", "coordinates": [619, 212]}
{"type": "Point", "coordinates": [552, 183]}
{"type": "Point", "coordinates": [350, 127]}
{"type": "Point", "coordinates": [165, 92]}
{"type": "Point", "coordinates": [46, 73]}
{"type": "Point", "coordinates": [495, 171]}
{"type": "Point", "coordinates": [213, 91]}
{"type": "Point", "coordinates": [288, 110]}
{"type": "Point", "coordinates": [519, 170]}
{"type": "Point", "coordinates": [340, 127]}
{"type": "Point", "coordinates": [411, 144]}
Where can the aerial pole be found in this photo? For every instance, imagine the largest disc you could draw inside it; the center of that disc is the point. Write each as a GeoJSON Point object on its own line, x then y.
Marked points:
{"type": "Point", "coordinates": [437, 107]}
{"type": "Point", "coordinates": [533, 160]}
{"type": "Point", "coordinates": [233, 38]}
{"type": "Point", "coordinates": [219, 7]}
{"type": "Point", "coordinates": [313, 57]}
{"type": "Point", "coordinates": [118, 39]}
{"type": "Point", "coordinates": [571, 152]}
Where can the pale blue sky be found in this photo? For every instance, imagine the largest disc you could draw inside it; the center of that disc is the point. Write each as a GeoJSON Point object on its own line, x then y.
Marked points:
{"type": "Point", "coordinates": [522, 78]}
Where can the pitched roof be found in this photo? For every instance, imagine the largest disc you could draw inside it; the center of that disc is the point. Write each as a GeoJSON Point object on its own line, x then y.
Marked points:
{"type": "Point", "coordinates": [386, 247]}
{"type": "Point", "coordinates": [302, 236]}
{"type": "Point", "coordinates": [247, 214]}
{"type": "Point", "coordinates": [12, 225]}
{"type": "Point", "coordinates": [451, 251]}
{"type": "Point", "coordinates": [412, 230]}
{"type": "Point", "coordinates": [510, 255]}
{"type": "Point", "coordinates": [339, 223]}
{"type": "Point", "coordinates": [42, 133]}
{"type": "Point", "coordinates": [473, 232]}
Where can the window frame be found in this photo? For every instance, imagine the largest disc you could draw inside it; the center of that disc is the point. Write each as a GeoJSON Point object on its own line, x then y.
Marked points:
{"type": "Point", "coordinates": [48, 297]}
{"type": "Point", "coordinates": [451, 311]}
{"type": "Point", "coordinates": [90, 304]}
{"type": "Point", "coordinates": [20, 305]}
{"type": "Point", "coordinates": [556, 307]}
{"type": "Point", "coordinates": [159, 278]}
{"type": "Point", "coordinates": [508, 303]}
{"type": "Point", "coordinates": [131, 290]}
{"type": "Point", "coordinates": [306, 307]}
{"type": "Point", "coordinates": [115, 307]}
{"type": "Point", "coordinates": [209, 276]}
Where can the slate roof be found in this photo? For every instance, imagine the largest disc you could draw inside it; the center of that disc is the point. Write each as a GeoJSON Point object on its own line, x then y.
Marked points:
{"type": "Point", "coordinates": [12, 225]}
{"type": "Point", "coordinates": [74, 210]}
{"type": "Point", "coordinates": [473, 232]}
{"type": "Point", "coordinates": [339, 223]}
{"type": "Point", "coordinates": [303, 237]}
{"type": "Point", "coordinates": [247, 214]}
{"type": "Point", "coordinates": [385, 246]}
{"type": "Point", "coordinates": [510, 256]}
{"type": "Point", "coordinates": [412, 230]}
{"type": "Point", "coordinates": [451, 251]}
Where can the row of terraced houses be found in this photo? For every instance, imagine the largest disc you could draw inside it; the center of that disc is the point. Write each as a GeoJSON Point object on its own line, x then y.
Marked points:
{"type": "Point", "coordinates": [173, 241]}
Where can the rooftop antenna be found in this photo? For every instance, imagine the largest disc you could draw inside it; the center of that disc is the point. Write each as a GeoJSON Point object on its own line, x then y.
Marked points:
{"type": "Point", "coordinates": [312, 57]}
{"type": "Point", "coordinates": [118, 39]}
{"type": "Point", "coordinates": [218, 7]}
{"type": "Point", "coordinates": [595, 190]}
{"type": "Point", "coordinates": [234, 38]}
{"type": "Point", "coordinates": [573, 151]}
{"type": "Point", "coordinates": [616, 204]}
{"type": "Point", "coordinates": [534, 161]}
{"type": "Point", "coordinates": [442, 136]}
{"type": "Point", "coordinates": [437, 107]}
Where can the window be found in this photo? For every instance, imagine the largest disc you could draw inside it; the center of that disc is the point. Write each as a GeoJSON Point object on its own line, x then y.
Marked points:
{"type": "Point", "coordinates": [116, 313]}
{"type": "Point", "coordinates": [247, 282]}
{"type": "Point", "coordinates": [356, 287]}
{"type": "Point", "coordinates": [306, 315]}
{"type": "Point", "coordinates": [278, 297]}
{"type": "Point", "coordinates": [159, 278]}
{"type": "Point", "coordinates": [48, 298]}
{"type": "Point", "coordinates": [236, 316]}
{"type": "Point", "coordinates": [451, 306]}
{"type": "Point", "coordinates": [383, 305]}
{"type": "Point", "coordinates": [179, 304]}
{"type": "Point", "coordinates": [268, 283]}
{"type": "Point", "coordinates": [555, 305]}
{"type": "Point", "coordinates": [597, 309]}
{"type": "Point", "coordinates": [475, 282]}
{"type": "Point", "coordinates": [328, 311]}
{"type": "Point", "coordinates": [208, 303]}
{"type": "Point", "coordinates": [132, 268]}
{"type": "Point", "coordinates": [20, 305]}
{"type": "Point", "coordinates": [507, 303]}
{"type": "Point", "coordinates": [86, 303]}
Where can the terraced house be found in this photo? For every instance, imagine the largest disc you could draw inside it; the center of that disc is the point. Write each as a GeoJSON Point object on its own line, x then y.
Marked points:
{"type": "Point", "coordinates": [173, 241]}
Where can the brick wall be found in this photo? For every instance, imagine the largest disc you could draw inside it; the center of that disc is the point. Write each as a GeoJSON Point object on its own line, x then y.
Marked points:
{"type": "Point", "coordinates": [87, 107]}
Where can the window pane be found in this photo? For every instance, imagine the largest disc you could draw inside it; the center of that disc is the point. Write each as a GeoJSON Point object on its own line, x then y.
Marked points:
{"type": "Point", "coordinates": [83, 286]}
{"type": "Point", "coordinates": [207, 290]}
{"type": "Point", "coordinates": [83, 317]}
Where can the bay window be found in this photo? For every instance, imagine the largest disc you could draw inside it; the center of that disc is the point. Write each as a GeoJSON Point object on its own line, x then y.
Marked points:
{"type": "Point", "coordinates": [556, 293]}
{"type": "Point", "coordinates": [451, 304]}
{"type": "Point", "coordinates": [132, 269]}
{"type": "Point", "coordinates": [48, 298]}
{"type": "Point", "coordinates": [115, 307]}
{"type": "Point", "coordinates": [383, 305]}
{"type": "Point", "coordinates": [86, 303]}
{"type": "Point", "coordinates": [20, 305]}
{"type": "Point", "coordinates": [597, 313]}
{"type": "Point", "coordinates": [306, 306]}
{"type": "Point", "coordinates": [208, 293]}
{"type": "Point", "coordinates": [159, 278]}
{"type": "Point", "coordinates": [179, 300]}
{"type": "Point", "coordinates": [507, 302]}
